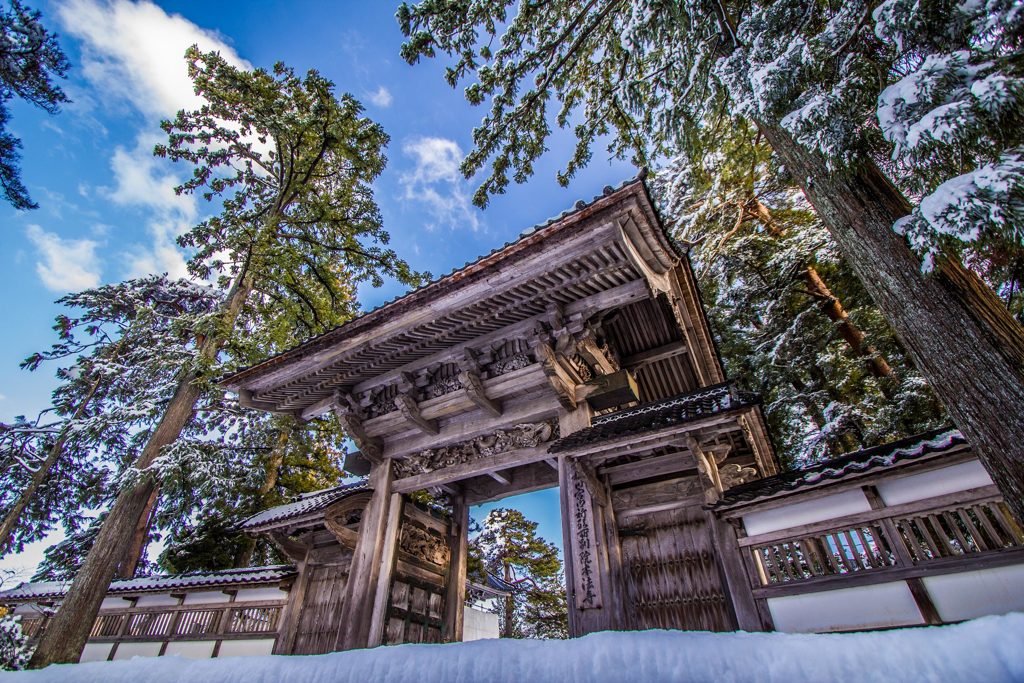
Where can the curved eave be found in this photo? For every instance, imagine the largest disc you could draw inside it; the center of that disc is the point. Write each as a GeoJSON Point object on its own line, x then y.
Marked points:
{"type": "Point", "coordinates": [461, 277]}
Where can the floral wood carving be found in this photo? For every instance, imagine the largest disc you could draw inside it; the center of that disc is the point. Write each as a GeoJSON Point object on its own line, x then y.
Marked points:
{"type": "Point", "coordinates": [424, 545]}
{"type": "Point", "coordinates": [527, 435]}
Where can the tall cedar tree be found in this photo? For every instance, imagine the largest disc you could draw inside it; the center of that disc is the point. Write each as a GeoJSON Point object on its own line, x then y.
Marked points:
{"type": "Point", "coordinates": [508, 547]}
{"type": "Point", "coordinates": [792, 321]}
{"type": "Point", "coordinates": [292, 167]}
{"type": "Point", "coordinates": [30, 62]}
{"type": "Point", "coordinates": [809, 75]}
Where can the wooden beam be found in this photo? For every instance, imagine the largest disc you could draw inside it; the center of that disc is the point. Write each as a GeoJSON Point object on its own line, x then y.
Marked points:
{"type": "Point", "coordinates": [498, 478]}
{"type": "Point", "coordinates": [639, 360]}
{"type": "Point", "coordinates": [473, 387]}
{"type": "Point", "coordinates": [523, 479]}
{"type": "Point", "coordinates": [410, 410]}
{"type": "Point", "coordinates": [479, 467]}
{"type": "Point", "coordinates": [649, 467]}
{"type": "Point", "coordinates": [552, 463]}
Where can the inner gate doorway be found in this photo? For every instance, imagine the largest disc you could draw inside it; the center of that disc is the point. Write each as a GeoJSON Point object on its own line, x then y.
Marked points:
{"type": "Point", "coordinates": [577, 356]}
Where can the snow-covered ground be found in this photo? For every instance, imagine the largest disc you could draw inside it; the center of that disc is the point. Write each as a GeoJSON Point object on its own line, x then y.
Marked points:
{"type": "Point", "coordinates": [990, 649]}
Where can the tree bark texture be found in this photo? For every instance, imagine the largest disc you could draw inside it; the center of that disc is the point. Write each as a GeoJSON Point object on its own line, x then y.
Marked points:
{"type": "Point", "coordinates": [140, 539]}
{"type": "Point", "coordinates": [66, 634]}
{"type": "Point", "coordinates": [831, 306]}
{"type": "Point", "coordinates": [958, 333]}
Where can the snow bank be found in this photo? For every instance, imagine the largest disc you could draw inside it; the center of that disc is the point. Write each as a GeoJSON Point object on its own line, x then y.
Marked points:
{"type": "Point", "coordinates": [990, 649]}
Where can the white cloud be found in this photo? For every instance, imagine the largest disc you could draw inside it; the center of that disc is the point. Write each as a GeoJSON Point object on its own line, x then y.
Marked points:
{"type": "Point", "coordinates": [66, 265]}
{"type": "Point", "coordinates": [144, 180]}
{"type": "Point", "coordinates": [136, 50]}
{"type": "Point", "coordinates": [381, 97]}
{"type": "Point", "coordinates": [435, 180]}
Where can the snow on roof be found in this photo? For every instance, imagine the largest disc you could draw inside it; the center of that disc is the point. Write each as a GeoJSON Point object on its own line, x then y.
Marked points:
{"type": "Point", "coordinates": [657, 415]}
{"type": "Point", "coordinates": [149, 584]}
{"type": "Point", "coordinates": [849, 464]}
{"type": "Point", "coordinates": [308, 503]}
{"type": "Point", "coordinates": [987, 649]}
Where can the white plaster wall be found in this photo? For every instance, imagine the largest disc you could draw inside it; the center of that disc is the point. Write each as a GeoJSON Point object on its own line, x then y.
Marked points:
{"type": "Point", "coordinates": [807, 512]}
{"type": "Point", "coordinates": [266, 593]}
{"type": "Point", "coordinates": [886, 604]}
{"type": "Point", "coordinates": [478, 625]}
{"type": "Point", "coordinates": [192, 649]}
{"type": "Point", "coordinates": [206, 597]}
{"type": "Point", "coordinates": [28, 609]}
{"type": "Point", "coordinates": [974, 594]}
{"type": "Point", "coordinates": [115, 603]}
{"type": "Point", "coordinates": [156, 600]}
{"type": "Point", "coordinates": [129, 650]}
{"type": "Point", "coordinates": [95, 652]}
{"type": "Point", "coordinates": [240, 648]}
{"type": "Point", "coordinates": [966, 475]}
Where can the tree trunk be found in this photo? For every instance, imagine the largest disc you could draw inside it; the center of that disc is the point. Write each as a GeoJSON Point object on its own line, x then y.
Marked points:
{"type": "Point", "coordinates": [957, 332]}
{"type": "Point", "coordinates": [510, 605]}
{"type": "Point", "coordinates": [272, 469]}
{"type": "Point", "coordinates": [140, 539]}
{"type": "Point", "coordinates": [832, 307]}
{"type": "Point", "coordinates": [68, 631]}
{"type": "Point", "coordinates": [851, 334]}
{"type": "Point", "coordinates": [12, 517]}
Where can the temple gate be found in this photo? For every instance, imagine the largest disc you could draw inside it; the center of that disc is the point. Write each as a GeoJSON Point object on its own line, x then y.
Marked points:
{"type": "Point", "coordinates": [577, 356]}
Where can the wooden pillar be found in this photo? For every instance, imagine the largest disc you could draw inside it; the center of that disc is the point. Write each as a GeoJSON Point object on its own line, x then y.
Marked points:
{"type": "Point", "coordinates": [455, 591]}
{"type": "Point", "coordinates": [363, 586]}
{"type": "Point", "coordinates": [288, 628]}
{"type": "Point", "coordinates": [734, 575]}
{"type": "Point", "coordinates": [588, 574]}
{"type": "Point", "coordinates": [387, 567]}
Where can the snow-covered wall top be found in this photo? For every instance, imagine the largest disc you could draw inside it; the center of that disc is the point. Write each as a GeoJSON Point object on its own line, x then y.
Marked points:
{"type": "Point", "coordinates": [149, 584]}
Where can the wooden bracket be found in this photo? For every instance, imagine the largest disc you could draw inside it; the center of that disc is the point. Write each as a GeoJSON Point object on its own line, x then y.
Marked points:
{"type": "Point", "coordinates": [596, 355]}
{"type": "Point", "coordinates": [474, 390]}
{"type": "Point", "coordinates": [294, 550]}
{"type": "Point", "coordinates": [350, 417]}
{"type": "Point", "coordinates": [410, 410]}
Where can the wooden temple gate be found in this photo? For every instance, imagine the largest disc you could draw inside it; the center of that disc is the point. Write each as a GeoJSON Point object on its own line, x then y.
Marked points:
{"type": "Point", "coordinates": [577, 356]}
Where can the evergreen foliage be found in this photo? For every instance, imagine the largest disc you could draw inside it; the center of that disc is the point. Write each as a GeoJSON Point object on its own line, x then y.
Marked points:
{"type": "Point", "coordinates": [762, 258]}
{"type": "Point", "coordinates": [290, 166]}
{"type": "Point", "coordinates": [125, 343]}
{"type": "Point", "coordinates": [508, 547]}
{"type": "Point", "coordinates": [30, 63]}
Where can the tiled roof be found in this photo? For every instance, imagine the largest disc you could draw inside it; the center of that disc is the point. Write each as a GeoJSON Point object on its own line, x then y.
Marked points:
{"type": "Point", "coordinates": [309, 503]}
{"type": "Point", "coordinates": [149, 584]}
{"type": "Point", "coordinates": [858, 462]}
{"type": "Point", "coordinates": [653, 416]}
{"type": "Point", "coordinates": [362, 319]}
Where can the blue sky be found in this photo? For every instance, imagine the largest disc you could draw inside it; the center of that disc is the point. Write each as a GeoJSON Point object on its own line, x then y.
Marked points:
{"type": "Point", "coordinates": [107, 207]}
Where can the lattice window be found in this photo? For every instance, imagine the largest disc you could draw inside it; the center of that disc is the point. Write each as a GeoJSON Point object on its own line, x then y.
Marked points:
{"type": "Point", "coordinates": [845, 551]}
{"type": "Point", "coordinates": [148, 624]}
{"type": "Point", "coordinates": [960, 531]}
{"type": "Point", "coordinates": [107, 625]}
{"type": "Point", "coordinates": [197, 622]}
{"type": "Point", "coordinates": [254, 619]}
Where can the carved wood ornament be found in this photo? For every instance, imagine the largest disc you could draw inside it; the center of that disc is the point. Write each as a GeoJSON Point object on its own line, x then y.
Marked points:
{"type": "Point", "coordinates": [527, 435]}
